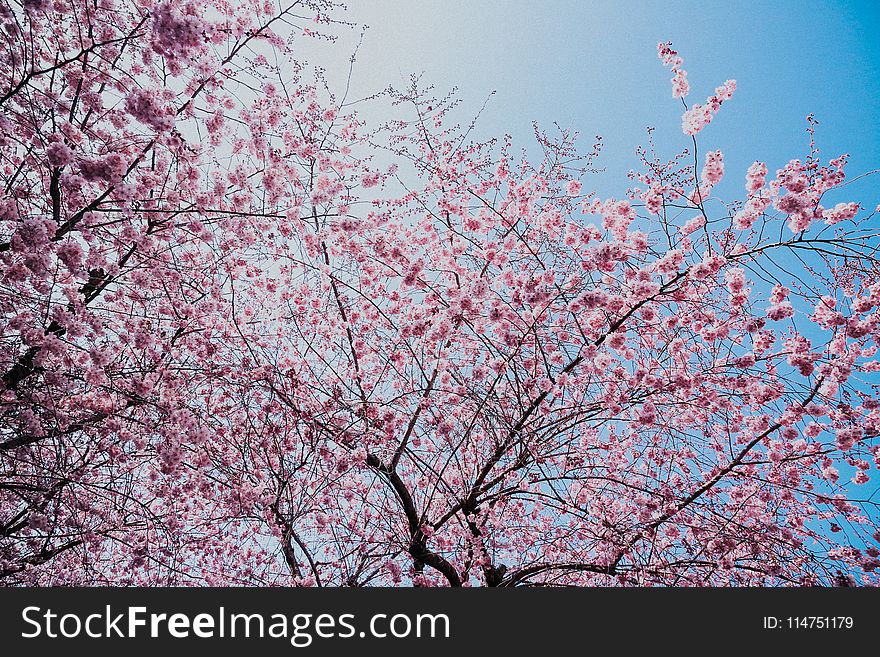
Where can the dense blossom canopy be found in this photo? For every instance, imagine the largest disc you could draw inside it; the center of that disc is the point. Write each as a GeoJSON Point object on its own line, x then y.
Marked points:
{"type": "Point", "coordinates": [249, 339]}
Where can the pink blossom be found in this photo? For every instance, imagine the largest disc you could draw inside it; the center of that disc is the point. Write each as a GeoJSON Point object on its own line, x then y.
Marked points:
{"type": "Point", "coordinates": [142, 105]}
{"type": "Point", "coordinates": [779, 293]}
{"type": "Point", "coordinates": [735, 279]}
{"type": "Point", "coordinates": [370, 179]}
{"type": "Point", "coordinates": [699, 116]}
{"type": "Point", "coordinates": [653, 200]}
{"type": "Point", "coordinates": [110, 167]}
{"type": "Point", "coordinates": [174, 34]}
{"type": "Point", "coordinates": [780, 311]}
{"type": "Point", "coordinates": [713, 170]}
{"type": "Point", "coordinates": [36, 6]}
{"type": "Point", "coordinates": [695, 119]}
{"type": "Point", "coordinates": [756, 177]}
{"type": "Point", "coordinates": [825, 314]}
{"type": "Point", "coordinates": [59, 154]}
{"type": "Point", "coordinates": [71, 254]}
{"type": "Point", "coordinates": [671, 59]}
{"type": "Point", "coordinates": [693, 225]}
{"type": "Point", "coordinates": [847, 437]}
{"type": "Point", "coordinates": [751, 211]}
{"type": "Point", "coordinates": [840, 212]}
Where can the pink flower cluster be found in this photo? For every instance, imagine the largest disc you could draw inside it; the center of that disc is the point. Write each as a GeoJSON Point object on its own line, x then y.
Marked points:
{"type": "Point", "coordinates": [36, 5]}
{"type": "Point", "coordinates": [800, 354]}
{"type": "Point", "coordinates": [713, 169]}
{"type": "Point", "coordinates": [780, 307]}
{"type": "Point", "coordinates": [653, 199]}
{"type": "Point", "coordinates": [735, 281]}
{"type": "Point", "coordinates": [670, 58]}
{"type": "Point", "coordinates": [647, 414]}
{"type": "Point", "coordinates": [371, 179]}
{"type": "Point", "coordinates": [174, 35]}
{"type": "Point", "coordinates": [616, 216]}
{"type": "Point", "coordinates": [779, 293]}
{"type": "Point", "coordinates": [707, 267]}
{"type": "Point", "coordinates": [670, 262]}
{"type": "Point", "coordinates": [71, 254]}
{"type": "Point", "coordinates": [751, 210]}
{"type": "Point", "coordinates": [693, 225]}
{"type": "Point", "coordinates": [111, 167]}
{"type": "Point", "coordinates": [142, 105]}
{"type": "Point", "coordinates": [699, 116]}
{"type": "Point", "coordinates": [840, 212]}
{"type": "Point", "coordinates": [59, 154]}
{"type": "Point", "coordinates": [799, 201]}
{"type": "Point", "coordinates": [848, 437]}
{"type": "Point", "coordinates": [33, 232]}
{"type": "Point", "coordinates": [826, 315]}
{"type": "Point", "coordinates": [755, 177]}
{"type": "Point", "coordinates": [780, 311]}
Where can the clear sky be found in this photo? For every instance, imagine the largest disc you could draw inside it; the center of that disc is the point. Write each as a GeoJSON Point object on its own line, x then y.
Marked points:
{"type": "Point", "coordinates": [593, 66]}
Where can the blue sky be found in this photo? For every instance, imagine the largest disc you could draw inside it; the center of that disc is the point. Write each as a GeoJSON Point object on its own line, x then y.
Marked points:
{"type": "Point", "coordinates": [592, 66]}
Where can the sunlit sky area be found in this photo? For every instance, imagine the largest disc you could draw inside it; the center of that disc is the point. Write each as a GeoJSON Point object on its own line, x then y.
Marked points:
{"type": "Point", "coordinates": [592, 66]}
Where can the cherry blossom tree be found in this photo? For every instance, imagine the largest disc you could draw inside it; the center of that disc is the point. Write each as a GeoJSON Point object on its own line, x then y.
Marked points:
{"type": "Point", "coordinates": [250, 339]}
